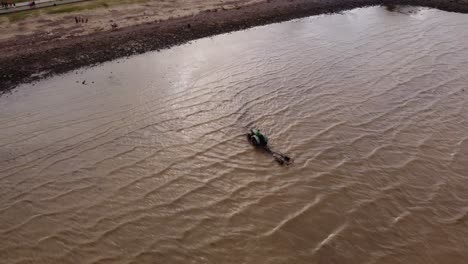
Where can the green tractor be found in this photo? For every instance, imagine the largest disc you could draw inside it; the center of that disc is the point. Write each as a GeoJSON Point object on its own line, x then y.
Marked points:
{"type": "Point", "coordinates": [257, 139]}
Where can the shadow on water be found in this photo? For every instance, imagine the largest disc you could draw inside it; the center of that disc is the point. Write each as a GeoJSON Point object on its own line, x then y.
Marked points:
{"type": "Point", "coordinates": [390, 7]}
{"type": "Point", "coordinates": [402, 9]}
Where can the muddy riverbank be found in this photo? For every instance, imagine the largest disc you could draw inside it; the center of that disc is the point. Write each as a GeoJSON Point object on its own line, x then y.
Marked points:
{"type": "Point", "coordinates": [26, 59]}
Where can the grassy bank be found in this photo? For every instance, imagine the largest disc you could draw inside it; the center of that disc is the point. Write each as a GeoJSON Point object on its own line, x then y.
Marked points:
{"type": "Point", "coordinates": [68, 8]}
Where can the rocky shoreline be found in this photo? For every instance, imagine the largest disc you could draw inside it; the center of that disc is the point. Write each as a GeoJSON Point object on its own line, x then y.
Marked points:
{"type": "Point", "coordinates": [25, 61]}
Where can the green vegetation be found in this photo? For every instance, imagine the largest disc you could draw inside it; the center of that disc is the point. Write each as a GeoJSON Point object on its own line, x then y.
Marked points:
{"type": "Point", "coordinates": [89, 5]}
{"type": "Point", "coordinates": [15, 17]}
{"type": "Point", "coordinates": [75, 8]}
{"type": "Point", "coordinates": [69, 8]}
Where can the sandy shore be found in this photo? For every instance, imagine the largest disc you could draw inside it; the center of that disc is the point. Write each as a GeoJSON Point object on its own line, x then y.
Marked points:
{"type": "Point", "coordinates": [47, 44]}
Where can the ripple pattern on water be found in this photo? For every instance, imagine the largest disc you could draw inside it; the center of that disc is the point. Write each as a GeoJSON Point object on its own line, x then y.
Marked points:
{"type": "Point", "coordinates": [148, 163]}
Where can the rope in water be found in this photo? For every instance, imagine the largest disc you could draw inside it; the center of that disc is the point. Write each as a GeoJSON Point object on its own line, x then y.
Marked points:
{"type": "Point", "coordinates": [279, 157]}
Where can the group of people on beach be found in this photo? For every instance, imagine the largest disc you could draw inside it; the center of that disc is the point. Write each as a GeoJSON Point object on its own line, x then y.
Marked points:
{"type": "Point", "coordinates": [8, 3]}
{"type": "Point", "coordinates": [80, 19]}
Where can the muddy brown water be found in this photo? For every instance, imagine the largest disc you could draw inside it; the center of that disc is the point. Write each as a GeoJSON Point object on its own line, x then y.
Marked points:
{"type": "Point", "coordinates": [147, 162]}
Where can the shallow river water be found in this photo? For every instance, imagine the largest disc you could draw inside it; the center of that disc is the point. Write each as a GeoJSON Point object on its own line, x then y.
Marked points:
{"type": "Point", "coordinates": [147, 161]}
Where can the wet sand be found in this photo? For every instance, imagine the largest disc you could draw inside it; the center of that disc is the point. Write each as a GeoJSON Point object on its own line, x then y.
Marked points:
{"type": "Point", "coordinates": [148, 161]}
{"type": "Point", "coordinates": [32, 57]}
